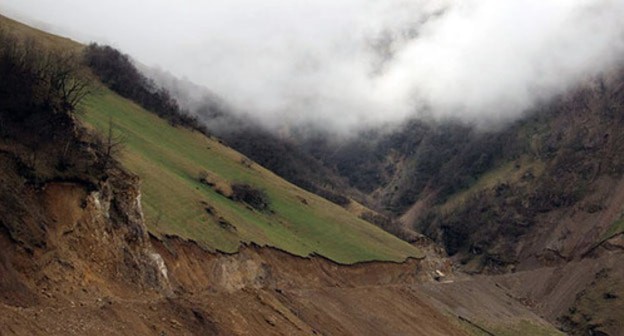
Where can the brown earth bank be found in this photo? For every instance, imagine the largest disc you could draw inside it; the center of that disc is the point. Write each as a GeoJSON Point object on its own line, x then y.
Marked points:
{"type": "Point", "coordinates": [262, 291]}
{"type": "Point", "coordinates": [583, 296]}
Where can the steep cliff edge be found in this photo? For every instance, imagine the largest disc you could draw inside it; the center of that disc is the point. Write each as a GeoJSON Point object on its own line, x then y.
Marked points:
{"type": "Point", "coordinates": [84, 232]}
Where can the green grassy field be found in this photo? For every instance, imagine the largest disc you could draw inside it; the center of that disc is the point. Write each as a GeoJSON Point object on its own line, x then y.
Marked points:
{"type": "Point", "coordinates": [169, 159]}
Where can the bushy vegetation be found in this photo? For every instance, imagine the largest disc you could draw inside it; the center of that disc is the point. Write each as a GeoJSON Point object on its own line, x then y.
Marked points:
{"type": "Point", "coordinates": [420, 156]}
{"type": "Point", "coordinates": [40, 93]}
{"type": "Point", "coordinates": [117, 71]}
{"type": "Point", "coordinates": [332, 196]}
{"type": "Point", "coordinates": [256, 198]}
{"type": "Point", "coordinates": [37, 83]}
{"type": "Point", "coordinates": [43, 78]}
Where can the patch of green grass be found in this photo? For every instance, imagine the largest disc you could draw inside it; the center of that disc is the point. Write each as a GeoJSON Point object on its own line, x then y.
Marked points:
{"type": "Point", "coordinates": [616, 228]}
{"type": "Point", "coordinates": [168, 160]}
{"type": "Point", "coordinates": [508, 172]}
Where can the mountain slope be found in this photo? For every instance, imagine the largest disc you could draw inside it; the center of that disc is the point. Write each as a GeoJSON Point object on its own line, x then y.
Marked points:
{"type": "Point", "coordinates": [76, 256]}
{"type": "Point", "coordinates": [169, 161]}
{"type": "Point", "coordinates": [178, 201]}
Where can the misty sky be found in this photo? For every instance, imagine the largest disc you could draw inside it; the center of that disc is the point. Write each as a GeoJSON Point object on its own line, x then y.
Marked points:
{"type": "Point", "coordinates": [350, 63]}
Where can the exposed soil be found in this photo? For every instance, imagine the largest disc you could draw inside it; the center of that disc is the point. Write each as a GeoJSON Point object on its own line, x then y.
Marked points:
{"type": "Point", "coordinates": [77, 260]}
{"type": "Point", "coordinates": [584, 296]}
{"type": "Point", "coordinates": [263, 291]}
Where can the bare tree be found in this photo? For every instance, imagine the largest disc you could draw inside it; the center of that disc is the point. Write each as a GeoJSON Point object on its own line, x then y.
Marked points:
{"type": "Point", "coordinates": [64, 85]}
{"type": "Point", "coordinates": [50, 79]}
{"type": "Point", "coordinates": [112, 145]}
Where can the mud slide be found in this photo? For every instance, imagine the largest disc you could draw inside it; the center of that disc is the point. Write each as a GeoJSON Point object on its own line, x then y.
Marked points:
{"type": "Point", "coordinates": [78, 260]}
{"type": "Point", "coordinates": [263, 291]}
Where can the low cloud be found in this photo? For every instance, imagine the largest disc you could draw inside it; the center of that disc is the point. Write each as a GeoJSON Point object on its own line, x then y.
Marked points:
{"type": "Point", "coordinates": [347, 64]}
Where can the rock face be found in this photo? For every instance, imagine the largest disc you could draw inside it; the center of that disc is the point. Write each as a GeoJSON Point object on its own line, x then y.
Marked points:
{"type": "Point", "coordinates": [76, 235]}
{"type": "Point", "coordinates": [118, 204]}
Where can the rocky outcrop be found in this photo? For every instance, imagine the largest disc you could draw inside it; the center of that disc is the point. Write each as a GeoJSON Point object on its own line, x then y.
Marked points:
{"type": "Point", "coordinates": [68, 237]}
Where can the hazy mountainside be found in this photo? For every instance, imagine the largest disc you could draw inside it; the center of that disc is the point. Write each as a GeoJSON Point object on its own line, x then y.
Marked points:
{"type": "Point", "coordinates": [481, 193]}
{"type": "Point", "coordinates": [80, 257]}
{"type": "Point", "coordinates": [566, 169]}
{"type": "Point", "coordinates": [557, 203]}
{"type": "Point", "coordinates": [396, 166]}
{"type": "Point", "coordinates": [541, 196]}
{"type": "Point", "coordinates": [282, 154]}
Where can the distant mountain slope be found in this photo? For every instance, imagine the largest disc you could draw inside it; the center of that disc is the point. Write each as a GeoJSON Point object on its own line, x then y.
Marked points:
{"type": "Point", "coordinates": [543, 196]}
{"type": "Point", "coordinates": [538, 191]}
{"type": "Point", "coordinates": [553, 191]}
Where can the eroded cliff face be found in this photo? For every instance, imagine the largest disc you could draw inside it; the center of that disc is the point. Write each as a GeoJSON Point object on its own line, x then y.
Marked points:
{"type": "Point", "coordinates": [77, 259]}
{"type": "Point", "coordinates": [195, 270]}
{"type": "Point", "coordinates": [67, 238]}
{"type": "Point", "coordinates": [105, 227]}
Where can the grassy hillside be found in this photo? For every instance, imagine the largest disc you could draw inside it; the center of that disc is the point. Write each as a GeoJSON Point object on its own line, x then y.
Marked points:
{"type": "Point", "coordinates": [41, 37]}
{"type": "Point", "coordinates": [169, 159]}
